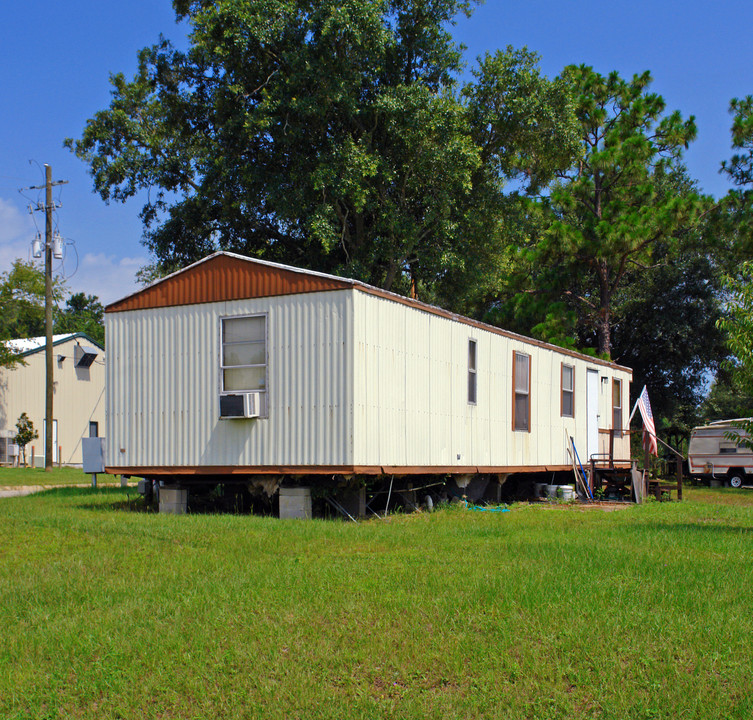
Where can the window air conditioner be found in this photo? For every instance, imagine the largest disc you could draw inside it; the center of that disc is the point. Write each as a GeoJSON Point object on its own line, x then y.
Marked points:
{"type": "Point", "coordinates": [240, 405]}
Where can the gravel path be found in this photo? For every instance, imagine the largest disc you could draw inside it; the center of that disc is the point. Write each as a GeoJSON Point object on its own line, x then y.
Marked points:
{"type": "Point", "coordinates": [19, 490]}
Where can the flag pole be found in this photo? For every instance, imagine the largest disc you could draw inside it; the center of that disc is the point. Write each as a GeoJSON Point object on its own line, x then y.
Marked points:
{"type": "Point", "coordinates": [635, 407]}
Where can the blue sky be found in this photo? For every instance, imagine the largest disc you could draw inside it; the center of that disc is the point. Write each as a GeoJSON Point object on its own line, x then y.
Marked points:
{"type": "Point", "coordinates": [56, 59]}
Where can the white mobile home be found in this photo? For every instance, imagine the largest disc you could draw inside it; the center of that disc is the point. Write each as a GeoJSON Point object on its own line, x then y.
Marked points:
{"type": "Point", "coordinates": [78, 400]}
{"type": "Point", "coordinates": [235, 366]}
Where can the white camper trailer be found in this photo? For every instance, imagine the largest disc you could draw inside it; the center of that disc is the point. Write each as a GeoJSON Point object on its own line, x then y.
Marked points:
{"type": "Point", "coordinates": [238, 367]}
{"type": "Point", "coordinates": [713, 453]}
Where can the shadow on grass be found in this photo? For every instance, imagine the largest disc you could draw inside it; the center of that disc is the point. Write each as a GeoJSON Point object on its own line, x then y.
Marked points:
{"type": "Point", "coordinates": [101, 499]}
{"type": "Point", "coordinates": [132, 505]}
{"type": "Point", "coordinates": [70, 491]}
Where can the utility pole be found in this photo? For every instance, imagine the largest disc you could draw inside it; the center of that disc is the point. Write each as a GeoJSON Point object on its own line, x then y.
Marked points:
{"type": "Point", "coordinates": [49, 380]}
{"type": "Point", "coordinates": [48, 319]}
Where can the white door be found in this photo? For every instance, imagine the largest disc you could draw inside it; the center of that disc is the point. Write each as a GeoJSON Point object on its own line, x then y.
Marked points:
{"type": "Point", "coordinates": [592, 413]}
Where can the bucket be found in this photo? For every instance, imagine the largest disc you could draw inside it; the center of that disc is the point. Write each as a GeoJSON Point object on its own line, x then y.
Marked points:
{"type": "Point", "coordinates": [538, 489]}
{"type": "Point", "coordinates": [551, 491]}
{"type": "Point", "coordinates": [566, 492]}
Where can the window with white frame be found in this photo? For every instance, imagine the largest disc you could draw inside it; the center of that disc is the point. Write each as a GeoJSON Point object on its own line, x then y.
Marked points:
{"type": "Point", "coordinates": [244, 353]}
{"type": "Point", "coordinates": [521, 381]}
{"type": "Point", "coordinates": [567, 404]}
{"type": "Point", "coordinates": [471, 372]}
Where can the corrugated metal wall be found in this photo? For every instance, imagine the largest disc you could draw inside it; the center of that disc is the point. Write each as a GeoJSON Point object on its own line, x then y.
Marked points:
{"type": "Point", "coordinates": [79, 397]}
{"type": "Point", "coordinates": [163, 385]}
{"type": "Point", "coordinates": [411, 394]}
{"type": "Point", "coordinates": [354, 380]}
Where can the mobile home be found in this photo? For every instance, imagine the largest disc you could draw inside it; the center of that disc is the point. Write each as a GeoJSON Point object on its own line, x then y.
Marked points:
{"type": "Point", "coordinates": [238, 367]}
{"type": "Point", "coordinates": [714, 453]}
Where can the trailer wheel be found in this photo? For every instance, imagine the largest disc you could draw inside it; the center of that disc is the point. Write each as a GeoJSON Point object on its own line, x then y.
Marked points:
{"type": "Point", "coordinates": [736, 480]}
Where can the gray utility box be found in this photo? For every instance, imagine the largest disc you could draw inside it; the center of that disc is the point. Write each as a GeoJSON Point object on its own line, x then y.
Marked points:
{"type": "Point", "coordinates": [93, 450]}
{"type": "Point", "coordinates": [295, 503]}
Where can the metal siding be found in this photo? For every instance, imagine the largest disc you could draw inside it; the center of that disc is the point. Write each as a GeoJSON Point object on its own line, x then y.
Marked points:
{"type": "Point", "coordinates": [410, 393]}
{"type": "Point", "coordinates": [441, 383]}
{"type": "Point", "coordinates": [418, 408]}
{"type": "Point", "coordinates": [78, 398]}
{"type": "Point", "coordinates": [163, 386]}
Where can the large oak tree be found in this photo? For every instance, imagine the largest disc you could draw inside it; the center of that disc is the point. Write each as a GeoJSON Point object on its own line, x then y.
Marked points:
{"type": "Point", "coordinates": [327, 134]}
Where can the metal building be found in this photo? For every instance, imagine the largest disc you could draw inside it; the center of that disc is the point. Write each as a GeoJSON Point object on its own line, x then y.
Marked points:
{"type": "Point", "coordinates": [235, 366]}
{"type": "Point", "coordinates": [78, 401]}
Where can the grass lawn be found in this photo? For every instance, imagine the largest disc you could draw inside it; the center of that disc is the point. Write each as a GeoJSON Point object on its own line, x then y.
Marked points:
{"type": "Point", "coordinates": [542, 612]}
{"type": "Point", "coordinates": [15, 477]}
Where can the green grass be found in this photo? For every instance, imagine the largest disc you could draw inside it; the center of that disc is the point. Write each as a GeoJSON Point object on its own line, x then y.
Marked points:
{"type": "Point", "coordinates": [15, 477]}
{"type": "Point", "coordinates": [542, 612]}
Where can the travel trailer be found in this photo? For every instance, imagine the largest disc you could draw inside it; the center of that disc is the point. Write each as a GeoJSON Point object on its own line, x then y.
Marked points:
{"type": "Point", "coordinates": [714, 454]}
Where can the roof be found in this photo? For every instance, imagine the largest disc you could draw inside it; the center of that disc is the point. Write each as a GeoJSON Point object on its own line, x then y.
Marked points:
{"type": "Point", "coordinates": [723, 425]}
{"type": "Point", "coordinates": [29, 346]}
{"type": "Point", "coordinates": [226, 276]}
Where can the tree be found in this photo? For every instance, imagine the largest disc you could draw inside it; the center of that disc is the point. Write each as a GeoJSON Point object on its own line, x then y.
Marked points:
{"type": "Point", "coordinates": [22, 297]}
{"type": "Point", "coordinates": [82, 313]}
{"type": "Point", "coordinates": [9, 359]}
{"type": "Point", "coordinates": [728, 398]}
{"type": "Point", "coordinates": [668, 332]}
{"type": "Point", "coordinates": [25, 434]}
{"type": "Point", "coordinates": [327, 135]}
{"type": "Point", "coordinates": [22, 300]}
{"type": "Point", "coordinates": [664, 316]}
{"type": "Point", "coordinates": [736, 216]}
{"type": "Point", "coordinates": [611, 209]}
{"type": "Point", "coordinates": [740, 167]}
{"type": "Point", "coordinates": [738, 324]}
{"type": "Point", "coordinates": [736, 211]}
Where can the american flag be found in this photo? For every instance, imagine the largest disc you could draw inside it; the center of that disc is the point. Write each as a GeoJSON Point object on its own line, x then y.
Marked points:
{"type": "Point", "coordinates": [649, 430]}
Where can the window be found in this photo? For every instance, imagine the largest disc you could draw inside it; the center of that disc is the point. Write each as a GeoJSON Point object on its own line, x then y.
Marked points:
{"type": "Point", "coordinates": [567, 405]}
{"type": "Point", "coordinates": [244, 353]}
{"type": "Point", "coordinates": [472, 372]}
{"type": "Point", "coordinates": [617, 404]}
{"type": "Point", "coordinates": [521, 382]}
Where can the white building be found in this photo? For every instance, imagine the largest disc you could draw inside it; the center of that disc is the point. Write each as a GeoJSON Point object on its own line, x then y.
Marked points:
{"type": "Point", "coordinates": [327, 375]}
{"type": "Point", "coordinates": [78, 399]}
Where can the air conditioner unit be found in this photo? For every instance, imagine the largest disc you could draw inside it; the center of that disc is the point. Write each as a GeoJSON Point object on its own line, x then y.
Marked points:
{"type": "Point", "coordinates": [240, 405]}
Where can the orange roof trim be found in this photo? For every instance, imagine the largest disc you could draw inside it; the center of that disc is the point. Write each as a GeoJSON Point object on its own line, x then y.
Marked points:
{"type": "Point", "coordinates": [224, 276]}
